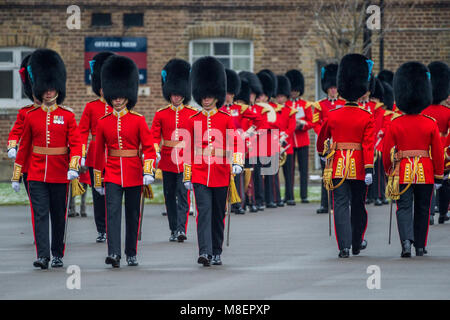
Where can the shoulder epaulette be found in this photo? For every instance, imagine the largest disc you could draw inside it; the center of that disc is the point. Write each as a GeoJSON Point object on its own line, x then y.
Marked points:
{"type": "Point", "coordinates": [224, 112]}
{"type": "Point", "coordinates": [388, 112]}
{"type": "Point", "coordinates": [109, 113]}
{"type": "Point", "coordinates": [429, 117]}
{"type": "Point", "coordinates": [317, 105]}
{"type": "Point", "coordinates": [396, 116]}
{"type": "Point", "coordinates": [377, 105]}
{"type": "Point", "coordinates": [368, 111]}
{"type": "Point", "coordinates": [243, 107]}
{"type": "Point", "coordinates": [264, 110]}
{"type": "Point", "coordinates": [27, 106]}
{"type": "Point", "coordinates": [66, 108]}
{"type": "Point", "coordinates": [279, 107]}
{"type": "Point", "coordinates": [307, 104]}
{"type": "Point", "coordinates": [191, 107]}
{"type": "Point", "coordinates": [293, 111]}
{"type": "Point", "coordinates": [195, 114]}
{"type": "Point", "coordinates": [136, 113]}
{"type": "Point", "coordinates": [32, 109]}
{"type": "Point", "coordinates": [163, 108]}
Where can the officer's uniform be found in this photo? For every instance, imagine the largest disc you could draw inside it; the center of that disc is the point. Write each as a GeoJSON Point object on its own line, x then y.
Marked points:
{"type": "Point", "coordinates": [440, 80]}
{"type": "Point", "coordinates": [412, 156]}
{"type": "Point", "coordinates": [208, 168]}
{"type": "Point", "coordinates": [351, 154]}
{"type": "Point", "coordinates": [119, 137]}
{"type": "Point", "coordinates": [320, 114]}
{"type": "Point", "coordinates": [303, 125]}
{"type": "Point", "coordinates": [51, 144]}
{"type": "Point", "coordinates": [167, 131]}
{"type": "Point", "coordinates": [17, 130]}
{"type": "Point", "coordinates": [92, 112]}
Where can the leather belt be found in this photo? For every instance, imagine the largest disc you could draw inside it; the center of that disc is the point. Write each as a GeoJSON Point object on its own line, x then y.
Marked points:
{"type": "Point", "coordinates": [211, 152]}
{"type": "Point", "coordinates": [173, 144]}
{"type": "Point", "coordinates": [348, 146]}
{"type": "Point", "coordinates": [50, 151]}
{"type": "Point", "coordinates": [412, 153]}
{"type": "Point", "coordinates": [123, 153]}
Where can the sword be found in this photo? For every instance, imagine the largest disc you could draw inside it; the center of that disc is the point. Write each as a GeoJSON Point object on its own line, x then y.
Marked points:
{"type": "Point", "coordinates": [390, 222]}
{"type": "Point", "coordinates": [229, 216]}
{"type": "Point", "coordinates": [69, 197]}
{"type": "Point", "coordinates": [329, 213]}
{"type": "Point", "coordinates": [142, 214]}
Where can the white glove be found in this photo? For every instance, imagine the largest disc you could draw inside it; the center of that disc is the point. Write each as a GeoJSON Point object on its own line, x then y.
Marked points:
{"type": "Point", "coordinates": [100, 190]}
{"type": "Point", "coordinates": [446, 176]}
{"type": "Point", "coordinates": [237, 169]}
{"type": "Point", "coordinates": [148, 179]}
{"type": "Point", "coordinates": [158, 157]}
{"type": "Point", "coordinates": [16, 186]}
{"type": "Point", "coordinates": [188, 185]}
{"type": "Point", "coordinates": [83, 162]}
{"type": "Point", "coordinates": [12, 153]}
{"type": "Point", "coordinates": [368, 179]}
{"type": "Point", "coordinates": [437, 186]}
{"type": "Point", "coordinates": [72, 174]}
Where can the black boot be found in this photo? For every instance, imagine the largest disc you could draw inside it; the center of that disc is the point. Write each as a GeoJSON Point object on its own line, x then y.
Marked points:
{"type": "Point", "coordinates": [253, 208]}
{"type": "Point", "coordinates": [132, 261]}
{"type": "Point", "coordinates": [271, 205]}
{"type": "Point", "coordinates": [41, 263]}
{"type": "Point", "coordinates": [442, 219]}
{"type": "Point", "coordinates": [344, 253]}
{"type": "Point", "coordinates": [291, 202]}
{"type": "Point", "coordinates": [322, 210]}
{"type": "Point", "coordinates": [363, 244]}
{"type": "Point", "coordinates": [181, 236]}
{"type": "Point", "coordinates": [420, 252]}
{"type": "Point", "coordinates": [378, 202]}
{"type": "Point", "coordinates": [57, 262]}
{"type": "Point", "coordinates": [113, 260]}
{"type": "Point", "coordinates": [173, 236]}
{"type": "Point", "coordinates": [204, 259]}
{"type": "Point", "coordinates": [216, 260]}
{"type": "Point", "coordinates": [406, 249]}
{"type": "Point", "coordinates": [101, 237]}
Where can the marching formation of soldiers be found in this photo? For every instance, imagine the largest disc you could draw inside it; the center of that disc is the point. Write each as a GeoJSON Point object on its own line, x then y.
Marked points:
{"type": "Point", "coordinates": [379, 137]}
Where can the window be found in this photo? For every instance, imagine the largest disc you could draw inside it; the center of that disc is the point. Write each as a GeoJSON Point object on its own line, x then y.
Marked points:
{"type": "Point", "coordinates": [11, 91]}
{"type": "Point", "coordinates": [133, 20]}
{"type": "Point", "coordinates": [101, 19]}
{"type": "Point", "coordinates": [234, 54]}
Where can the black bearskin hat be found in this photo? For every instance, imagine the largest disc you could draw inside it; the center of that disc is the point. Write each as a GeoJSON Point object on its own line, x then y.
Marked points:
{"type": "Point", "coordinates": [284, 86]}
{"type": "Point", "coordinates": [353, 76]}
{"type": "Point", "coordinates": [387, 76]}
{"type": "Point", "coordinates": [25, 78]}
{"type": "Point", "coordinates": [175, 80]}
{"type": "Point", "coordinates": [233, 82]}
{"type": "Point", "coordinates": [297, 80]}
{"type": "Point", "coordinates": [120, 79]}
{"type": "Point", "coordinates": [47, 71]}
{"type": "Point", "coordinates": [378, 92]}
{"type": "Point", "coordinates": [440, 81]}
{"type": "Point", "coordinates": [274, 79]}
{"type": "Point", "coordinates": [209, 80]}
{"type": "Point", "coordinates": [253, 81]}
{"type": "Point", "coordinates": [96, 65]}
{"type": "Point", "coordinates": [244, 92]}
{"type": "Point", "coordinates": [412, 87]}
{"type": "Point", "coordinates": [268, 84]}
{"type": "Point", "coordinates": [388, 95]}
{"type": "Point", "coordinates": [328, 76]}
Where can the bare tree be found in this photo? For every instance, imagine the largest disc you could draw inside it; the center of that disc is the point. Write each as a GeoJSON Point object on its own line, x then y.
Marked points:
{"type": "Point", "coordinates": [339, 26]}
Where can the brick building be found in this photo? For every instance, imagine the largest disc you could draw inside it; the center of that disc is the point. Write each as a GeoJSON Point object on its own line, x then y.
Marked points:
{"type": "Point", "coordinates": [245, 35]}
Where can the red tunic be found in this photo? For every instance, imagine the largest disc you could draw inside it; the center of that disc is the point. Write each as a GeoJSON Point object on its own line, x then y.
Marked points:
{"type": "Point", "coordinates": [17, 130]}
{"type": "Point", "coordinates": [165, 130]}
{"type": "Point", "coordinates": [415, 132]}
{"type": "Point", "coordinates": [126, 130]}
{"type": "Point", "coordinates": [213, 130]}
{"type": "Point", "coordinates": [441, 114]}
{"type": "Point", "coordinates": [287, 124]}
{"type": "Point", "coordinates": [320, 111]}
{"type": "Point", "coordinates": [52, 127]}
{"type": "Point", "coordinates": [349, 124]}
{"type": "Point", "coordinates": [301, 136]}
{"type": "Point", "coordinates": [93, 111]}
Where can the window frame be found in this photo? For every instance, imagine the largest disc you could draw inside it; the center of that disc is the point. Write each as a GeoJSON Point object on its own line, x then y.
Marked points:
{"type": "Point", "coordinates": [17, 101]}
{"type": "Point", "coordinates": [231, 41]}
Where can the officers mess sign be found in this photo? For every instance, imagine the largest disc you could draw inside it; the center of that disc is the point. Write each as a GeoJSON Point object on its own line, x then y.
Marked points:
{"type": "Point", "coordinates": [133, 48]}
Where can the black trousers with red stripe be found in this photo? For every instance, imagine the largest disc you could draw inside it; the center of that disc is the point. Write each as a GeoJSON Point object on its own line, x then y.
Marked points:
{"type": "Point", "coordinates": [176, 199]}
{"type": "Point", "coordinates": [99, 206]}
{"type": "Point", "coordinates": [350, 216]}
{"type": "Point", "coordinates": [211, 204]}
{"type": "Point", "coordinates": [48, 202]}
{"type": "Point", "coordinates": [413, 213]}
{"type": "Point", "coordinates": [288, 173]}
{"type": "Point", "coordinates": [114, 194]}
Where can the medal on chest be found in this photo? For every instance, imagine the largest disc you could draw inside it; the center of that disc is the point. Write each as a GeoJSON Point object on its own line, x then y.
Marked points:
{"type": "Point", "coordinates": [58, 119]}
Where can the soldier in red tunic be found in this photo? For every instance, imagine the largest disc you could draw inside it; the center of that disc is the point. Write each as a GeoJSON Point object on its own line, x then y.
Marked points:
{"type": "Point", "coordinates": [350, 155]}
{"type": "Point", "coordinates": [303, 125]}
{"type": "Point", "coordinates": [165, 128]}
{"type": "Point", "coordinates": [121, 133]}
{"type": "Point", "coordinates": [92, 112]}
{"type": "Point", "coordinates": [413, 156]}
{"type": "Point", "coordinates": [208, 168]}
{"type": "Point", "coordinates": [440, 81]}
{"type": "Point", "coordinates": [320, 110]}
{"type": "Point", "coordinates": [17, 130]}
{"type": "Point", "coordinates": [51, 144]}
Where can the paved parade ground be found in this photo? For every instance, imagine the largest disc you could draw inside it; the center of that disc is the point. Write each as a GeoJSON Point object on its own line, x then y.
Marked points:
{"type": "Point", "coordinates": [276, 254]}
